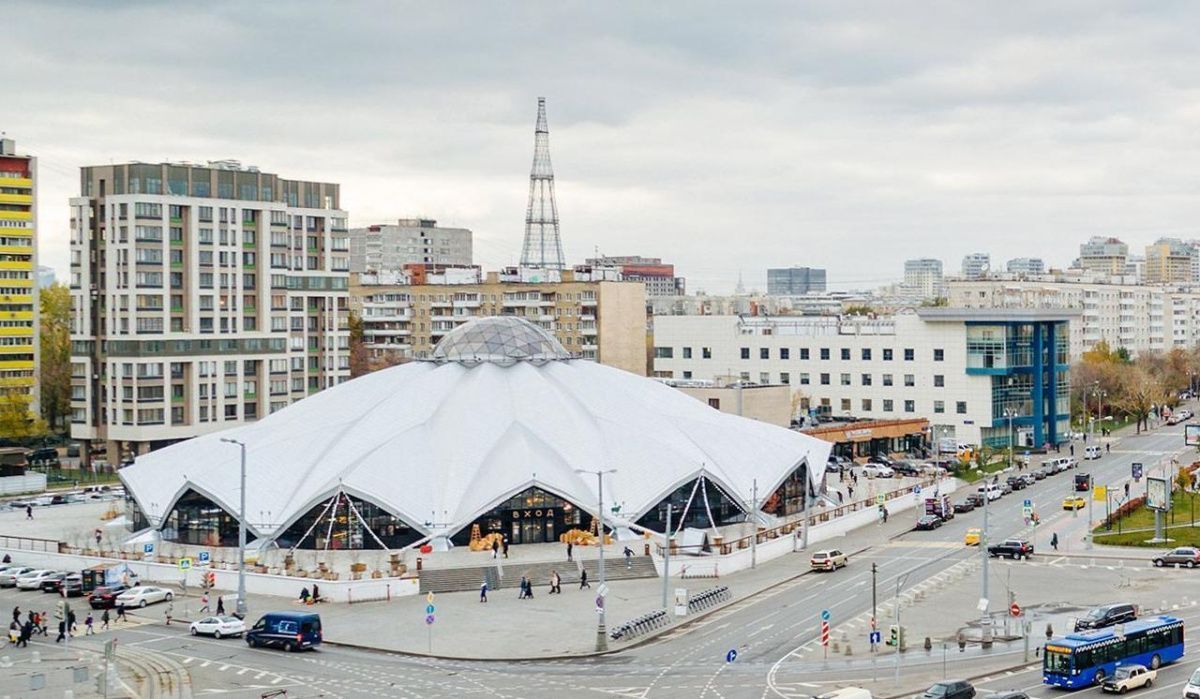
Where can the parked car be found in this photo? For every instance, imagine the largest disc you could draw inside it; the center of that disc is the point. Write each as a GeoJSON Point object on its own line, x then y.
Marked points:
{"type": "Point", "coordinates": [973, 536]}
{"type": "Point", "coordinates": [1011, 548]}
{"type": "Point", "coordinates": [1186, 556]}
{"type": "Point", "coordinates": [218, 626]}
{"type": "Point", "coordinates": [42, 457]}
{"type": "Point", "coordinates": [106, 597]}
{"type": "Point", "coordinates": [964, 505]}
{"type": "Point", "coordinates": [1005, 488]}
{"type": "Point", "coordinates": [1009, 694]}
{"type": "Point", "coordinates": [950, 689]}
{"type": "Point", "coordinates": [73, 450]}
{"type": "Point", "coordinates": [874, 470]}
{"type": "Point", "coordinates": [71, 586]}
{"type": "Point", "coordinates": [8, 578]}
{"type": "Point", "coordinates": [291, 631]}
{"type": "Point", "coordinates": [828, 559]}
{"type": "Point", "coordinates": [906, 468]}
{"type": "Point", "coordinates": [928, 522]}
{"type": "Point", "coordinates": [142, 595]}
{"type": "Point", "coordinates": [51, 582]}
{"type": "Point", "coordinates": [33, 579]}
{"type": "Point", "coordinates": [1093, 451]}
{"type": "Point", "coordinates": [1074, 502]}
{"type": "Point", "coordinates": [976, 499]}
{"type": "Point", "coordinates": [1016, 482]}
{"type": "Point", "coordinates": [1191, 690]}
{"type": "Point", "coordinates": [1029, 478]}
{"type": "Point", "coordinates": [938, 467]}
{"type": "Point", "coordinates": [991, 491]}
{"type": "Point", "coordinates": [884, 459]}
{"type": "Point", "coordinates": [1040, 473]}
{"type": "Point", "coordinates": [1127, 677]}
{"type": "Point", "coordinates": [1108, 615]}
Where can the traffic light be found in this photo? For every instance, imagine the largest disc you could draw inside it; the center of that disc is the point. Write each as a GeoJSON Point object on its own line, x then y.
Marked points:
{"type": "Point", "coordinates": [896, 636]}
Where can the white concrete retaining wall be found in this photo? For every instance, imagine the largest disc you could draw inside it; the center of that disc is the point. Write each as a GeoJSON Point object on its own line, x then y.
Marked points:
{"type": "Point", "coordinates": [226, 580]}
{"type": "Point", "coordinates": [17, 485]}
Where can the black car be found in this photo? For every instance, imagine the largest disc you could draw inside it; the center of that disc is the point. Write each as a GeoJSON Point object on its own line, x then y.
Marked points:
{"type": "Point", "coordinates": [906, 468]}
{"type": "Point", "coordinates": [1011, 548]}
{"type": "Point", "coordinates": [964, 505]}
{"type": "Point", "coordinates": [927, 522]}
{"type": "Point", "coordinates": [950, 689]}
{"type": "Point", "coordinates": [1108, 615]}
{"type": "Point", "coordinates": [1016, 482]}
{"type": "Point", "coordinates": [884, 459]}
{"type": "Point", "coordinates": [106, 597]}
{"type": "Point", "coordinates": [50, 584]}
{"type": "Point", "coordinates": [975, 499]}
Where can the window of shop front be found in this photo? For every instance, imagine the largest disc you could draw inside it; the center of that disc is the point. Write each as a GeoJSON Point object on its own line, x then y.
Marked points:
{"type": "Point", "coordinates": [348, 530]}
{"type": "Point", "coordinates": [788, 498]}
{"type": "Point", "coordinates": [688, 508]}
{"type": "Point", "coordinates": [135, 519]}
{"type": "Point", "coordinates": [532, 516]}
{"type": "Point", "coordinates": [198, 520]}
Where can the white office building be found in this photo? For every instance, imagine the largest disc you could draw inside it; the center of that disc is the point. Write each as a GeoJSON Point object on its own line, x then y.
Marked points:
{"type": "Point", "coordinates": [924, 277]}
{"type": "Point", "coordinates": [976, 265]}
{"type": "Point", "coordinates": [1026, 266]}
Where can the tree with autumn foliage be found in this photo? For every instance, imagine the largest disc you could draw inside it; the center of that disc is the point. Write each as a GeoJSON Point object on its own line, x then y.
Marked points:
{"type": "Point", "coordinates": [362, 360]}
{"type": "Point", "coordinates": [55, 355]}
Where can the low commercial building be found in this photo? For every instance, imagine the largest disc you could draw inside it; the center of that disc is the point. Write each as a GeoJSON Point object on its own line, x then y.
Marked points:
{"type": "Point", "coordinates": [861, 439]}
{"type": "Point", "coordinates": [591, 311]}
{"type": "Point", "coordinates": [965, 370]}
{"type": "Point", "coordinates": [766, 403]}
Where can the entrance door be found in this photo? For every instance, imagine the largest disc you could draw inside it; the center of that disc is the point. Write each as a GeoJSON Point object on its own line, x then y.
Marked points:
{"type": "Point", "coordinates": [531, 531]}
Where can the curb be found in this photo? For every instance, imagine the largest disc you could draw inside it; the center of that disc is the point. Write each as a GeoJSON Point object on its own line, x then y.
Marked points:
{"type": "Point", "coordinates": [1009, 668]}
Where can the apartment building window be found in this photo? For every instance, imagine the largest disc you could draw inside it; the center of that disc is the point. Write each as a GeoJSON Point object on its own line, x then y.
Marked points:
{"type": "Point", "coordinates": [785, 378]}
{"type": "Point", "coordinates": [687, 352]}
{"type": "Point", "coordinates": [910, 406]}
{"type": "Point", "coordinates": [205, 213]}
{"type": "Point", "coordinates": [845, 354]}
{"type": "Point", "coordinates": [887, 379]}
{"type": "Point", "coordinates": [204, 235]}
{"type": "Point", "coordinates": [147, 210]}
{"type": "Point", "coordinates": [939, 355]}
{"type": "Point", "coordinates": [910, 380]}
{"type": "Point", "coordinates": [149, 279]}
{"type": "Point", "coordinates": [825, 353]}
{"type": "Point", "coordinates": [784, 353]}
{"type": "Point", "coordinates": [687, 374]}
{"type": "Point", "coordinates": [231, 411]}
{"type": "Point", "coordinates": [887, 355]}
{"type": "Point", "coordinates": [764, 377]}
{"type": "Point", "coordinates": [887, 405]}
{"type": "Point", "coordinates": [909, 354]}
{"type": "Point", "coordinates": [764, 353]}
{"type": "Point", "coordinates": [824, 379]}
{"type": "Point", "coordinates": [706, 353]}
{"type": "Point", "coordinates": [148, 233]}
{"type": "Point", "coordinates": [150, 325]}
{"type": "Point", "coordinates": [205, 258]}
{"type": "Point", "coordinates": [866, 379]}
{"type": "Point", "coordinates": [745, 353]}
{"type": "Point", "coordinates": [866, 354]}
{"type": "Point", "coordinates": [152, 370]}
{"type": "Point", "coordinates": [866, 405]}
{"type": "Point", "coordinates": [961, 407]}
{"type": "Point", "coordinates": [804, 353]}
{"type": "Point", "coordinates": [804, 378]}
{"type": "Point", "coordinates": [150, 416]}
{"type": "Point", "coordinates": [845, 379]}
{"type": "Point", "coordinates": [206, 280]}
{"type": "Point", "coordinates": [939, 406]}
{"type": "Point", "coordinates": [176, 257]}
{"type": "Point", "coordinates": [664, 352]}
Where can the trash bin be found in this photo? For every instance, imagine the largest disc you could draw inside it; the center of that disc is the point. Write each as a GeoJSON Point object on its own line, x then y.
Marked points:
{"type": "Point", "coordinates": [419, 561]}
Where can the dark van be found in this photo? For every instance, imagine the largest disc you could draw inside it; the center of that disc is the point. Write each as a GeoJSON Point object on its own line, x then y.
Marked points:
{"type": "Point", "coordinates": [290, 631]}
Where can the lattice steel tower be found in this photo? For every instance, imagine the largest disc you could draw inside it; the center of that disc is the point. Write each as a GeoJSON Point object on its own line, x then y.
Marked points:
{"type": "Point", "coordinates": [543, 246]}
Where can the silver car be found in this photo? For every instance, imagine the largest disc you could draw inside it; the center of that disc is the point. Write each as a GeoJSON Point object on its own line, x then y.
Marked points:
{"type": "Point", "coordinates": [8, 577]}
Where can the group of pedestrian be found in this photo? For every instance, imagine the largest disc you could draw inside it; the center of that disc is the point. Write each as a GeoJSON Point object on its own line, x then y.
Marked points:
{"type": "Point", "coordinates": [499, 546]}
{"type": "Point", "coordinates": [526, 591]}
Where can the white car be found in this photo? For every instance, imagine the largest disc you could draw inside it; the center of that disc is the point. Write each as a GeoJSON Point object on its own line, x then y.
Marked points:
{"type": "Point", "coordinates": [218, 626]}
{"type": "Point", "coordinates": [8, 577]}
{"type": "Point", "coordinates": [878, 471]}
{"type": "Point", "coordinates": [142, 595]}
{"type": "Point", "coordinates": [1191, 690]}
{"type": "Point", "coordinates": [34, 579]}
{"type": "Point", "coordinates": [1127, 677]}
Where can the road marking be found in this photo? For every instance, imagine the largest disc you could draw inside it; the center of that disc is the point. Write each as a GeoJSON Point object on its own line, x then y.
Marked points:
{"type": "Point", "coordinates": [760, 630]}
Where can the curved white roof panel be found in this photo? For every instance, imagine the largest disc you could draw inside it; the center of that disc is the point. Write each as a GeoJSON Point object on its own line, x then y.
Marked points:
{"type": "Point", "coordinates": [444, 441]}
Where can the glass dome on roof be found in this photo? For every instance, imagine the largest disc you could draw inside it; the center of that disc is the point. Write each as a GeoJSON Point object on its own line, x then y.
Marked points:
{"type": "Point", "coordinates": [500, 340]}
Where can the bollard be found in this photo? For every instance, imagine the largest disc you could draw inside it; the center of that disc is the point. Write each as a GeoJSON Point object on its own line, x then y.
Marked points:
{"type": "Point", "coordinates": [836, 647]}
{"type": "Point", "coordinates": [928, 644]}
{"type": "Point", "coordinates": [5, 661]}
{"type": "Point", "coordinates": [35, 657]}
{"type": "Point", "coordinates": [848, 651]}
{"type": "Point", "coordinates": [1049, 631]}
{"type": "Point", "coordinates": [962, 642]}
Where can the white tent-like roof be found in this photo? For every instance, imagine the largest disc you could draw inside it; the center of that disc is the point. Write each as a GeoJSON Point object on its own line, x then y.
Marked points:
{"type": "Point", "coordinates": [499, 409]}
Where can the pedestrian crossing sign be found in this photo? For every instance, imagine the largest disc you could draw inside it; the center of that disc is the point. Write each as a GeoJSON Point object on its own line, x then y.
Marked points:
{"type": "Point", "coordinates": [185, 563]}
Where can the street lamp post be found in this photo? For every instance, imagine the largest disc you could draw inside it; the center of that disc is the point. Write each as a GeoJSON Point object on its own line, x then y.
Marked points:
{"type": "Point", "coordinates": [241, 593]}
{"type": "Point", "coordinates": [601, 633]}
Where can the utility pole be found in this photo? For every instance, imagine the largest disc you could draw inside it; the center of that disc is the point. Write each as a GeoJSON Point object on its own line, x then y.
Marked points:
{"type": "Point", "coordinates": [754, 525]}
{"type": "Point", "coordinates": [985, 627]}
{"type": "Point", "coordinates": [241, 598]}
{"type": "Point", "coordinates": [874, 615]}
{"type": "Point", "coordinates": [601, 633]}
{"type": "Point", "coordinates": [1091, 499]}
{"type": "Point", "coordinates": [900, 580]}
{"type": "Point", "coordinates": [666, 558]}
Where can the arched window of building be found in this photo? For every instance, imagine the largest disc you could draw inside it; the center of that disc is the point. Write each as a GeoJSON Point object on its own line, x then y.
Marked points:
{"type": "Point", "coordinates": [698, 504]}
{"type": "Point", "coordinates": [347, 522]}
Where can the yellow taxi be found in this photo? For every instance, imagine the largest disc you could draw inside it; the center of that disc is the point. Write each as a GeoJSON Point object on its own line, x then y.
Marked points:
{"type": "Point", "coordinates": [971, 538]}
{"type": "Point", "coordinates": [1075, 502]}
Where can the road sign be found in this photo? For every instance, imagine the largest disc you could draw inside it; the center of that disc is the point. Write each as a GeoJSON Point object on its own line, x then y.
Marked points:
{"type": "Point", "coordinates": [185, 563]}
{"type": "Point", "coordinates": [602, 590]}
{"type": "Point", "coordinates": [916, 490]}
{"type": "Point", "coordinates": [202, 557]}
{"type": "Point", "coordinates": [429, 598]}
{"type": "Point", "coordinates": [731, 655]}
{"type": "Point", "coordinates": [825, 615]}
{"type": "Point", "coordinates": [599, 602]}
{"type": "Point", "coordinates": [875, 637]}
{"type": "Point", "coordinates": [429, 620]}
{"type": "Point", "coordinates": [1028, 504]}
{"type": "Point", "coordinates": [825, 633]}
{"type": "Point", "coordinates": [983, 604]}
{"type": "Point", "coordinates": [879, 499]}
{"type": "Point", "coordinates": [430, 609]}
{"type": "Point", "coordinates": [147, 548]}
{"type": "Point", "coordinates": [1014, 609]}
{"type": "Point", "coordinates": [1136, 469]}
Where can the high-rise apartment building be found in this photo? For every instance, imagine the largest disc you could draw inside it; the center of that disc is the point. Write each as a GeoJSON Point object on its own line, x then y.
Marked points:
{"type": "Point", "coordinates": [795, 281]}
{"type": "Point", "coordinates": [592, 313]}
{"type": "Point", "coordinates": [18, 262]}
{"type": "Point", "coordinates": [202, 297]}
{"type": "Point", "coordinates": [976, 265]}
{"type": "Point", "coordinates": [1101, 254]}
{"type": "Point", "coordinates": [659, 278]}
{"type": "Point", "coordinates": [1026, 266]}
{"type": "Point", "coordinates": [924, 276]}
{"type": "Point", "coordinates": [391, 246]}
{"type": "Point", "coordinates": [1169, 261]}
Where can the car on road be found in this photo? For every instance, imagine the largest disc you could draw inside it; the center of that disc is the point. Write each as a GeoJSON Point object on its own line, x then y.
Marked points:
{"type": "Point", "coordinates": [964, 505]}
{"type": "Point", "coordinates": [976, 499]}
{"type": "Point", "coordinates": [290, 631]}
{"type": "Point", "coordinates": [1029, 478]}
{"type": "Point", "coordinates": [928, 522]}
{"type": "Point", "coordinates": [828, 559]}
{"type": "Point", "coordinates": [992, 492]}
{"type": "Point", "coordinates": [71, 586]}
{"type": "Point", "coordinates": [1040, 473]}
{"type": "Point", "coordinates": [106, 597]}
{"type": "Point", "coordinates": [1092, 452]}
{"type": "Point", "coordinates": [218, 626]}
{"type": "Point", "coordinates": [950, 689]}
{"type": "Point", "coordinates": [874, 470]}
{"type": "Point", "coordinates": [1191, 690]}
{"type": "Point", "coordinates": [973, 536]}
{"type": "Point", "coordinates": [907, 468]}
{"type": "Point", "coordinates": [1083, 482]}
{"type": "Point", "coordinates": [142, 595]}
{"type": "Point", "coordinates": [1074, 502]}
{"type": "Point", "coordinates": [1186, 556]}
{"type": "Point", "coordinates": [1011, 548]}
{"type": "Point", "coordinates": [8, 577]}
{"type": "Point", "coordinates": [33, 579]}
{"type": "Point", "coordinates": [1108, 615]}
{"type": "Point", "coordinates": [1016, 482]}
{"type": "Point", "coordinates": [51, 582]}
{"type": "Point", "coordinates": [1127, 677]}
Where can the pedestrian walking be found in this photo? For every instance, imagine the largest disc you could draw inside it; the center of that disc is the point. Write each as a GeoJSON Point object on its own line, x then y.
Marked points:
{"type": "Point", "coordinates": [121, 611]}
{"type": "Point", "coordinates": [524, 583]}
{"type": "Point", "coordinates": [885, 513]}
{"type": "Point", "coordinates": [104, 621]}
{"type": "Point", "coordinates": [839, 494]}
{"type": "Point", "coordinates": [14, 633]}
{"type": "Point", "coordinates": [495, 548]}
{"type": "Point", "coordinates": [88, 622]}
{"type": "Point", "coordinates": [505, 546]}
{"type": "Point", "coordinates": [316, 593]}
{"type": "Point", "coordinates": [71, 628]}
{"type": "Point", "coordinates": [220, 606]}
{"type": "Point", "coordinates": [570, 549]}
{"type": "Point", "coordinates": [1054, 541]}
{"type": "Point", "coordinates": [483, 591]}
{"type": "Point", "coordinates": [1072, 450]}
{"type": "Point", "coordinates": [850, 492]}
{"type": "Point", "coordinates": [528, 589]}
{"type": "Point", "coordinates": [29, 512]}
{"type": "Point", "coordinates": [204, 602]}
{"type": "Point", "coordinates": [555, 583]}
{"type": "Point", "coordinates": [1108, 447]}
{"type": "Point", "coordinates": [41, 621]}
{"type": "Point", "coordinates": [26, 632]}
{"type": "Point", "coordinates": [17, 613]}
{"type": "Point", "coordinates": [583, 579]}
{"type": "Point", "coordinates": [304, 595]}
{"type": "Point", "coordinates": [62, 631]}
{"type": "Point", "coordinates": [169, 611]}
{"type": "Point", "coordinates": [628, 552]}
{"type": "Point", "coordinates": [99, 535]}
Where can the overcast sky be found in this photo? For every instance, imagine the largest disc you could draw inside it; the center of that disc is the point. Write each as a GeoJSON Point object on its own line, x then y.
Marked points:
{"type": "Point", "coordinates": [722, 137]}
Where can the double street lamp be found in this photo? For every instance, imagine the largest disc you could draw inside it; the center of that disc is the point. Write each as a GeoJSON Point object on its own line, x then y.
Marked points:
{"type": "Point", "coordinates": [241, 593]}
{"type": "Point", "coordinates": [601, 637]}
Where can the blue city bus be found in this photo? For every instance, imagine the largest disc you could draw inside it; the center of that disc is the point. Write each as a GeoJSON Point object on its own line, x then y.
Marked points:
{"type": "Point", "coordinates": [1085, 658]}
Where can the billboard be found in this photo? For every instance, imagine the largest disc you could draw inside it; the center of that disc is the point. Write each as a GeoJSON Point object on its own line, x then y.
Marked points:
{"type": "Point", "coordinates": [1191, 435]}
{"type": "Point", "coordinates": [1158, 494]}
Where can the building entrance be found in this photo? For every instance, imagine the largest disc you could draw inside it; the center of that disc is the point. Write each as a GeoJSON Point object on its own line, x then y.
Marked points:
{"type": "Point", "coordinates": [533, 516]}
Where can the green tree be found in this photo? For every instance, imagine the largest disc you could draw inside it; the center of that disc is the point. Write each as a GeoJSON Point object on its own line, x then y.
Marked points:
{"type": "Point", "coordinates": [55, 357]}
{"type": "Point", "coordinates": [17, 420]}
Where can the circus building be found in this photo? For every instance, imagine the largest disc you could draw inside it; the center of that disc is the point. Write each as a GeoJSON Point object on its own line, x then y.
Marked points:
{"type": "Point", "coordinates": [501, 430]}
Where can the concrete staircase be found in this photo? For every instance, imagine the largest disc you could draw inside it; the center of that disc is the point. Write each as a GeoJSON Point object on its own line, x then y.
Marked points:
{"type": "Point", "coordinates": [614, 568]}
{"type": "Point", "coordinates": [469, 578]}
{"type": "Point", "coordinates": [539, 573]}
{"type": "Point", "coordinates": [458, 579]}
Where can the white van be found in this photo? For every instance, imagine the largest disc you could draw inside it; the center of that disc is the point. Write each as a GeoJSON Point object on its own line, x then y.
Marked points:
{"type": "Point", "coordinates": [1092, 452]}
{"type": "Point", "coordinates": [991, 491]}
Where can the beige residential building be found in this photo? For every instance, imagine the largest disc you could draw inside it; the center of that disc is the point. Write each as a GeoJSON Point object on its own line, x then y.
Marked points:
{"type": "Point", "coordinates": [1169, 261]}
{"type": "Point", "coordinates": [203, 297]}
{"type": "Point", "coordinates": [1104, 255]}
{"type": "Point", "coordinates": [591, 311]}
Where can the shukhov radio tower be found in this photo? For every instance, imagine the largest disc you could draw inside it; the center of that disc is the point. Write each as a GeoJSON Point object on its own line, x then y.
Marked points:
{"type": "Point", "coordinates": [543, 246]}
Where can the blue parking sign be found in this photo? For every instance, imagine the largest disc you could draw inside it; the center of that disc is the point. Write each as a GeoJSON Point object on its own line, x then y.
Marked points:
{"type": "Point", "coordinates": [147, 548]}
{"type": "Point", "coordinates": [1136, 471]}
{"type": "Point", "coordinates": [202, 556]}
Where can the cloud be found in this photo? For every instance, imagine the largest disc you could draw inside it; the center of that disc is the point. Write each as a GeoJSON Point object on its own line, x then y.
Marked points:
{"type": "Point", "coordinates": [723, 138]}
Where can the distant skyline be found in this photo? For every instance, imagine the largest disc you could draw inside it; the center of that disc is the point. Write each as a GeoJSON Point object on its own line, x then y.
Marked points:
{"type": "Point", "coordinates": [847, 136]}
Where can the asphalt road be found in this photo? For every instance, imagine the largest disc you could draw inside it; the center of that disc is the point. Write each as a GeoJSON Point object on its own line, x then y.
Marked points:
{"type": "Point", "coordinates": [770, 632]}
